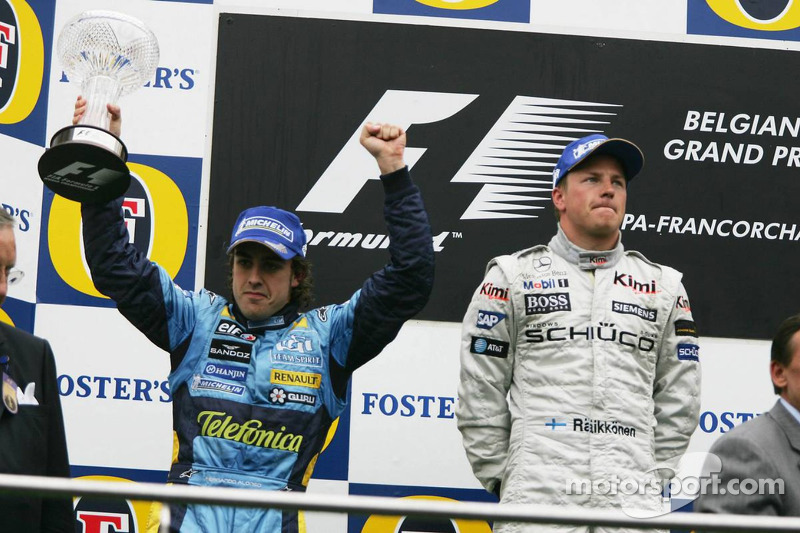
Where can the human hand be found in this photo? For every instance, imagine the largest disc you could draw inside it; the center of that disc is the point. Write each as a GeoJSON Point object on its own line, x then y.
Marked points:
{"type": "Point", "coordinates": [114, 112]}
{"type": "Point", "coordinates": [386, 143]}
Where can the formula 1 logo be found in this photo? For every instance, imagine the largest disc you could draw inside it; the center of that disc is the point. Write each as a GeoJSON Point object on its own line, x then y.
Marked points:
{"type": "Point", "coordinates": [21, 60]}
{"type": "Point", "coordinates": [513, 162]}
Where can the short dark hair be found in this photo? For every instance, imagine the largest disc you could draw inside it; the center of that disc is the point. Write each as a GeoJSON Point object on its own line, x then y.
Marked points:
{"type": "Point", "coordinates": [781, 351]}
{"type": "Point", "coordinates": [303, 294]}
{"type": "Point", "coordinates": [6, 219]}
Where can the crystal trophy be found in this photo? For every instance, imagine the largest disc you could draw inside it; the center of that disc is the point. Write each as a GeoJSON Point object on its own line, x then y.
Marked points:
{"type": "Point", "coordinates": [110, 54]}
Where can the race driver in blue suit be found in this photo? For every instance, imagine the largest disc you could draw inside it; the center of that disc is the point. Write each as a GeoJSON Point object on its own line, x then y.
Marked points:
{"type": "Point", "coordinates": [256, 382]}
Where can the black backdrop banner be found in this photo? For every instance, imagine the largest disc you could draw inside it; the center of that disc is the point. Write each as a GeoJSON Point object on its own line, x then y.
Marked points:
{"type": "Point", "coordinates": [487, 113]}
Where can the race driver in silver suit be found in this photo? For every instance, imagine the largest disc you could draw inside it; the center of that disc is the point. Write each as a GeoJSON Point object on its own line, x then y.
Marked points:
{"type": "Point", "coordinates": [579, 359]}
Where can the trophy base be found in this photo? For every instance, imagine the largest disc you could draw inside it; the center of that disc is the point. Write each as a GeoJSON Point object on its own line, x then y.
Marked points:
{"type": "Point", "coordinates": [85, 164]}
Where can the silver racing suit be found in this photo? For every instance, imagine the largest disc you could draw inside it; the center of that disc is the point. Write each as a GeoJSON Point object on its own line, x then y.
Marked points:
{"type": "Point", "coordinates": [580, 378]}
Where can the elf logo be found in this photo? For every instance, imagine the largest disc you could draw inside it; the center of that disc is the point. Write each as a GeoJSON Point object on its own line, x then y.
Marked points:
{"type": "Point", "coordinates": [523, 131]}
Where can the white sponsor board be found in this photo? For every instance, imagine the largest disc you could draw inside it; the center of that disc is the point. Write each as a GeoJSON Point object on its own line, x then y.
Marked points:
{"type": "Point", "coordinates": [21, 196]}
{"type": "Point", "coordinates": [169, 117]}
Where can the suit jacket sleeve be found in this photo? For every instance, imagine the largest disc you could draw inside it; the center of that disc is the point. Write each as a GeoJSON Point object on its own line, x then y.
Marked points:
{"type": "Point", "coordinates": [56, 513]}
{"type": "Point", "coordinates": [740, 458]}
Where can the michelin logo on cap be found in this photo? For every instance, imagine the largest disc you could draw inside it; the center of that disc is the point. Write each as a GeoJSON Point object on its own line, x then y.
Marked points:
{"type": "Point", "coordinates": [268, 224]}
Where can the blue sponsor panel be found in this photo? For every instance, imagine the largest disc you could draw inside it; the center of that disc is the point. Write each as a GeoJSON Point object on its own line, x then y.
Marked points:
{"type": "Point", "coordinates": [500, 10]}
{"type": "Point", "coordinates": [19, 313]}
{"type": "Point", "coordinates": [26, 39]}
{"type": "Point", "coordinates": [395, 524]}
{"type": "Point", "coordinates": [161, 209]}
{"type": "Point", "coordinates": [688, 352]}
{"type": "Point", "coordinates": [768, 19]}
{"type": "Point", "coordinates": [334, 461]}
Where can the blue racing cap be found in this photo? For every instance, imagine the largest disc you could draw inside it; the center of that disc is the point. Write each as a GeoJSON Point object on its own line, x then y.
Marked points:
{"type": "Point", "coordinates": [628, 154]}
{"type": "Point", "coordinates": [275, 228]}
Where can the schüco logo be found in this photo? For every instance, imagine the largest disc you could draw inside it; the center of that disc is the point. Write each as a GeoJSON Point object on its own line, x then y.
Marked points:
{"type": "Point", "coordinates": [766, 16]}
{"type": "Point", "coordinates": [400, 524]}
{"type": "Point", "coordinates": [99, 515]}
{"type": "Point", "coordinates": [458, 4]}
{"type": "Point", "coordinates": [21, 60]}
{"type": "Point", "coordinates": [157, 220]}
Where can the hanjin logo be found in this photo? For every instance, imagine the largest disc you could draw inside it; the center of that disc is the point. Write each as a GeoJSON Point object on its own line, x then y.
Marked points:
{"type": "Point", "coordinates": [524, 130]}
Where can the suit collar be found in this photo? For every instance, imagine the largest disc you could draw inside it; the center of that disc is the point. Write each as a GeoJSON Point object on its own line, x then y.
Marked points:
{"type": "Point", "coordinates": [787, 423]}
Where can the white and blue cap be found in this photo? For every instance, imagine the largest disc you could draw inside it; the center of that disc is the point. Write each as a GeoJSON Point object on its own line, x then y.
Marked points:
{"type": "Point", "coordinates": [628, 154]}
{"type": "Point", "coordinates": [279, 230]}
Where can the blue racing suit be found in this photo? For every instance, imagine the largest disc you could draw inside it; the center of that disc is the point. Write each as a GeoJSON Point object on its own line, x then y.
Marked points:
{"type": "Point", "coordinates": [253, 402]}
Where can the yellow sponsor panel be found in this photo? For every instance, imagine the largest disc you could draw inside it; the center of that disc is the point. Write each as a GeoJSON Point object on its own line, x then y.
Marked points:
{"type": "Point", "coordinates": [458, 4]}
{"type": "Point", "coordinates": [389, 524]}
{"type": "Point", "coordinates": [5, 318]}
{"type": "Point", "coordinates": [731, 11]}
{"type": "Point", "coordinates": [169, 238]}
{"type": "Point", "coordinates": [28, 79]}
{"type": "Point", "coordinates": [297, 379]}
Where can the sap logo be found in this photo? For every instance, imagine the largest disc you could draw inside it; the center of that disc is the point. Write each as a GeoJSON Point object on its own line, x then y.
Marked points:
{"type": "Point", "coordinates": [493, 292]}
{"type": "Point", "coordinates": [408, 405]}
{"type": "Point", "coordinates": [22, 214]}
{"type": "Point", "coordinates": [114, 388]}
{"type": "Point", "coordinates": [546, 284]}
{"type": "Point", "coordinates": [488, 320]}
{"type": "Point", "coordinates": [493, 347]}
{"type": "Point", "coordinates": [711, 422]}
{"type": "Point", "coordinates": [295, 343]}
{"type": "Point", "coordinates": [688, 352]}
{"type": "Point", "coordinates": [539, 304]}
{"type": "Point", "coordinates": [626, 280]}
{"type": "Point", "coordinates": [530, 117]}
{"type": "Point", "coordinates": [164, 78]}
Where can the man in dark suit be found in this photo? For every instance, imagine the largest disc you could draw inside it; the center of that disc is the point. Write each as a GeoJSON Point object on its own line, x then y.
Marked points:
{"type": "Point", "coordinates": [32, 440]}
{"type": "Point", "coordinates": [765, 449]}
